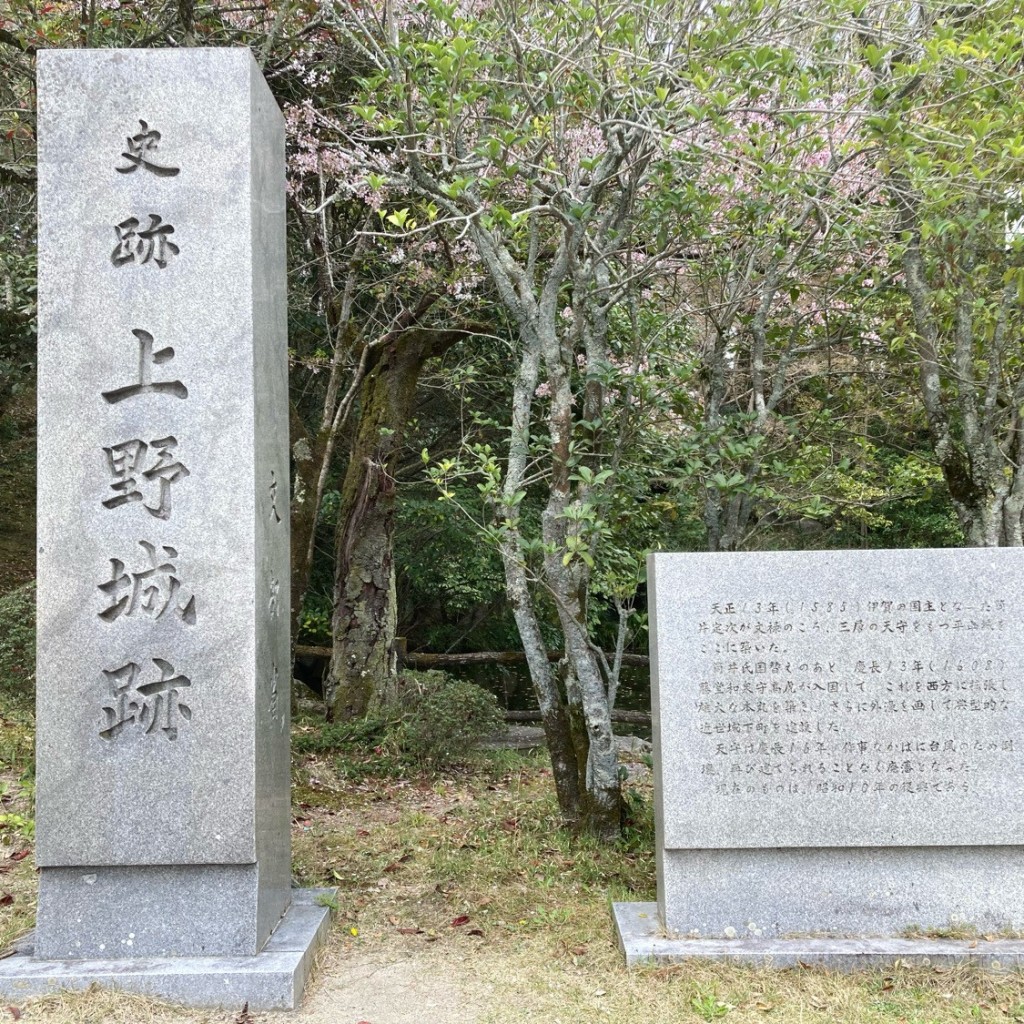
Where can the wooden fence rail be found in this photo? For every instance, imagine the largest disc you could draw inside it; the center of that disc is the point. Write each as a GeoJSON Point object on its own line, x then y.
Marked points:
{"type": "Point", "coordinates": [416, 659]}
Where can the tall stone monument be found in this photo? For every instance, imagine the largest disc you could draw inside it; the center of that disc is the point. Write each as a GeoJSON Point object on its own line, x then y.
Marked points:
{"type": "Point", "coordinates": [838, 757]}
{"type": "Point", "coordinates": [163, 533]}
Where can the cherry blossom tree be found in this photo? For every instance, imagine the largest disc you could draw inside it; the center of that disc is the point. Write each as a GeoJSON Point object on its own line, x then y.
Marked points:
{"type": "Point", "coordinates": [562, 143]}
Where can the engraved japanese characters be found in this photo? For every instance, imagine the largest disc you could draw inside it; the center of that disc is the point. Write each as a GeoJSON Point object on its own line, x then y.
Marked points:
{"type": "Point", "coordinates": [837, 740]}
{"type": "Point", "coordinates": [163, 696]}
{"type": "Point", "coordinates": [153, 704]}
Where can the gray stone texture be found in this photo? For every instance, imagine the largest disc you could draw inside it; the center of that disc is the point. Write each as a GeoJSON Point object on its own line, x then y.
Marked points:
{"type": "Point", "coordinates": [272, 980]}
{"type": "Point", "coordinates": [163, 510]}
{"type": "Point", "coordinates": [837, 741]}
{"type": "Point", "coordinates": [102, 912]}
{"type": "Point", "coordinates": [840, 891]}
{"type": "Point", "coordinates": [643, 941]}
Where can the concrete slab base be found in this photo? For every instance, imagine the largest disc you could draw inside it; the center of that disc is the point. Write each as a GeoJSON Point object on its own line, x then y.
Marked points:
{"type": "Point", "coordinates": [272, 980]}
{"type": "Point", "coordinates": [643, 941]}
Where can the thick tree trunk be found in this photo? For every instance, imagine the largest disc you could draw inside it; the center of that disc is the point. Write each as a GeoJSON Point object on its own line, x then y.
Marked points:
{"type": "Point", "coordinates": [993, 519]}
{"type": "Point", "coordinates": [361, 674]}
{"type": "Point", "coordinates": [362, 671]}
{"type": "Point", "coordinates": [363, 628]}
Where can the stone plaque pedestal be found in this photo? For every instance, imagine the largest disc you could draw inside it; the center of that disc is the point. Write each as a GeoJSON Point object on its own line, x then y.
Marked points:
{"type": "Point", "coordinates": [838, 759]}
{"type": "Point", "coordinates": [163, 533]}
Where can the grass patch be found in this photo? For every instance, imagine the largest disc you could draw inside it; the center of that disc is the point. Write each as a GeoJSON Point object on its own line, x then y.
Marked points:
{"type": "Point", "coordinates": [18, 486]}
{"type": "Point", "coordinates": [466, 873]}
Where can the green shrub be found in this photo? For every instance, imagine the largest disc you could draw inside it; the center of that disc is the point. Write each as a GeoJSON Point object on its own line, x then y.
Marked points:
{"type": "Point", "coordinates": [333, 736]}
{"type": "Point", "coordinates": [17, 690]}
{"type": "Point", "coordinates": [315, 621]}
{"type": "Point", "coordinates": [441, 719]}
{"type": "Point", "coordinates": [18, 642]}
{"type": "Point", "coordinates": [436, 722]}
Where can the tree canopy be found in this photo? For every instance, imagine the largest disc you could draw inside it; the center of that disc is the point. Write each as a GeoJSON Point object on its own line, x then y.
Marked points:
{"type": "Point", "coordinates": [573, 282]}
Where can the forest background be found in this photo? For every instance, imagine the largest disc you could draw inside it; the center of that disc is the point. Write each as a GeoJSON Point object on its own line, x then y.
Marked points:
{"type": "Point", "coordinates": [571, 283]}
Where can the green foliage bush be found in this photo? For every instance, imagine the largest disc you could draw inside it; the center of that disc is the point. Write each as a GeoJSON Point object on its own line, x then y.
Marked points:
{"type": "Point", "coordinates": [451, 587]}
{"type": "Point", "coordinates": [436, 723]}
{"type": "Point", "coordinates": [18, 642]}
{"type": "Point", "coordinates": [333, 736]}
{"type": "Point", "coordinates": [442, 718]}
{"type": "Point", "coordinates": [315, 621]}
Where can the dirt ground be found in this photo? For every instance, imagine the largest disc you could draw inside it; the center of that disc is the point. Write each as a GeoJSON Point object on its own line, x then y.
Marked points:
{"type": "Point", "coordinates": [390, 989]}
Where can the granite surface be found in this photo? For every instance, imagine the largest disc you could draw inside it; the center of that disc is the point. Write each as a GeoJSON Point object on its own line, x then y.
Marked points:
{"type": "Point", "coordinates": [852, 891]}
{"type": "Point", "coordinates": [838, 698]}
{"type": "Point", "coordinates": [837, 742]}
{"type": "Point", "coordinates": [643, 942]}
{"type": "Point", "coordinates": [103, 912]}
{"type": "Point", "coordinates": [272, 980]}
{"type": "Point", "coordinates": [163, 686]}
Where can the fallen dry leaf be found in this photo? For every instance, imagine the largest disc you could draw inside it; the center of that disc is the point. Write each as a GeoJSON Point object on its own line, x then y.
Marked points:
{"type": "Point", "coordinates": [14, 1012]}
{"type": "Point", "coordinates": [6, 900]}
{"type": "Point", "coordinates": [458, 922]}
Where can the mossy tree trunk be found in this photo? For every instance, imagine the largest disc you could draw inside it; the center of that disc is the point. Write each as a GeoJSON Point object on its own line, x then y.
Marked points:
{"type": "Point", "coordinates": [362, 671]}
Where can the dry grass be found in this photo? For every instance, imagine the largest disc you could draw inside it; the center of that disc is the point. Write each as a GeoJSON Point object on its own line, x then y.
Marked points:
{"type": "Point", "coordinates": [17, 865]}
{"type": "Point", "coordinates": [466, 883]}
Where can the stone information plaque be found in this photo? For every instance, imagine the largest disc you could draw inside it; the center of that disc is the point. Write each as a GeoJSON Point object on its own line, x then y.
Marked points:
{"type": "Point", "coordinates": [837, 758]}
{"type": "Point", "coordinates": [163, 675]}
{"type": "Point", "coordinates": [839, 699]}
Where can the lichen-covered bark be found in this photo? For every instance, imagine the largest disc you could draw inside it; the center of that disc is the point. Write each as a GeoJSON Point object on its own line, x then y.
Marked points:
{"type": "Point", "coordinates": [976, 433]}
{"type": "Point", "coordinates": [577, 725]}
{"type": "Point", "coordinates": [555, 716]}
{"type": "Point", "coordinates": [589, 713]}
{"type": "Point", "coordinates": [362, 671]}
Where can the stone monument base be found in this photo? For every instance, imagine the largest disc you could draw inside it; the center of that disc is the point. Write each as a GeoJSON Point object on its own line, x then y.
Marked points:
{"type": "Point", "coordinates": [272, 980]}
{"type": "Point", "coordinates": [643, 941]}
